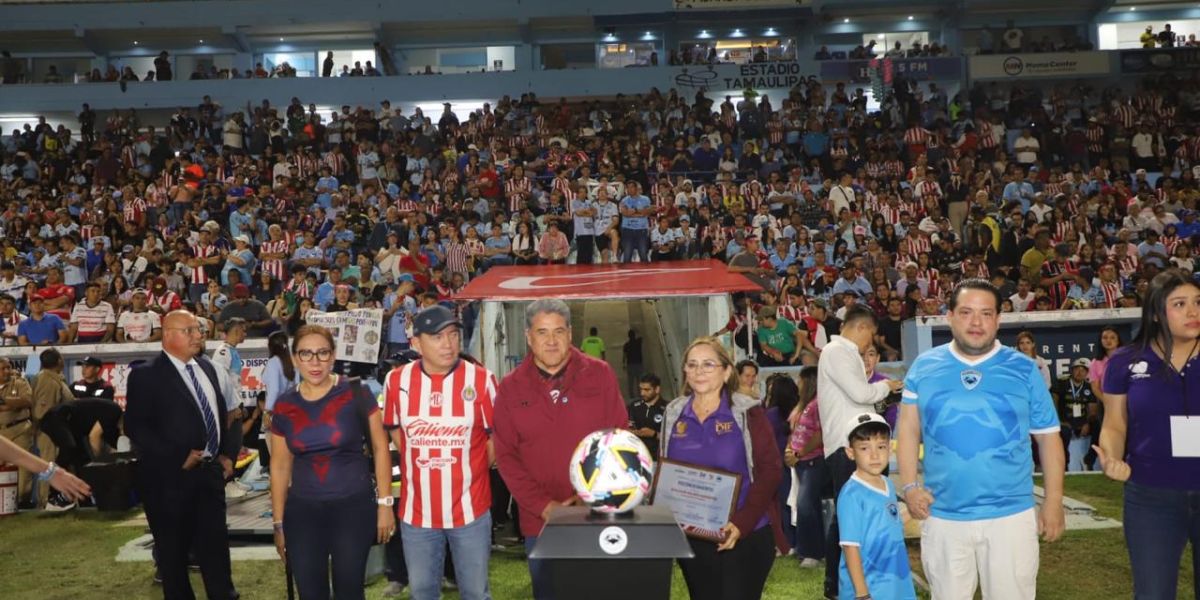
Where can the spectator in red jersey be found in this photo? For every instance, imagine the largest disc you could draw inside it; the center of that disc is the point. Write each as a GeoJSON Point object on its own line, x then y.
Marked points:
{"type": "Point", "coordinates": [322, 504]}
{"type": "Point", "coordinates": [439, 412]}
{"type": "Point", "coordinates": [554, 398]}
{"type": "Point", "coordinates": [59, 296]}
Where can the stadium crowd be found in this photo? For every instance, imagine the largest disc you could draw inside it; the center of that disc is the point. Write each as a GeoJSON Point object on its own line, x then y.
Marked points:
{"type": "Point", "coordinates": [1066, 198]}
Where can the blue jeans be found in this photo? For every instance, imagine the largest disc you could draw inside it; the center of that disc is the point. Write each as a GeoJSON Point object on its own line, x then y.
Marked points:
{"type": "Point", "coordinates": [635, 240]}
{"type": "Point", "coordinates": [810, 526]}
{"type": "Point", "coordinates": [539, 574]}
{"type": "Point", "coordinates": [1077, 448]}
{"type": "Point", "coordinates": [1159, 523]}
{"type": "Point", "coordinates": [425, 555]}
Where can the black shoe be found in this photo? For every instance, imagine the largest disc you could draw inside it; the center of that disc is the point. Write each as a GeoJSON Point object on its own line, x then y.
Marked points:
{"type": "Point", "coordinates": [59, 503]}
{"type": "Point", "coordinates": [26, 505]}
{"type": "Point", "coordinates": [157, 576]}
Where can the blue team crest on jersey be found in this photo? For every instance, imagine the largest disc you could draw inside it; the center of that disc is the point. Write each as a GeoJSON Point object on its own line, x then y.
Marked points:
{"type": "Point", "coordinates": [971, 378]}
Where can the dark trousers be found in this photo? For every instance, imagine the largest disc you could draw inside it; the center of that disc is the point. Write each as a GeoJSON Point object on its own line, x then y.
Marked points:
{"type": "Point", "coordinates": [319, 533]}
{"type": "Point", "coordinates": [189, 513]}
{"type": "Point", "coordinates": [539, 574]}
{"type": "Point", "coordinates": [635, 240]}
{"type": "Point", "coordinates": [840, 469]}
{"type": "Point", "coordinates": [1159, 523]}
{"type": "Point", "coordinates": [585, 249]}
{"type": "Point", "coordinates": [394, 567]}
{"type": "Point", "coordinates": [737, 574]}
{"type": "Point", "coordinates": [810, 526]}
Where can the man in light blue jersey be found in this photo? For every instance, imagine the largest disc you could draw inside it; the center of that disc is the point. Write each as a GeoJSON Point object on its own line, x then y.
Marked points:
{"type": "Point", "coordinates": [975, 403]}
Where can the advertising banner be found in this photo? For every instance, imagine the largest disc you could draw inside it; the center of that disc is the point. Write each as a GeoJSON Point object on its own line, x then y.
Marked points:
{"type": "Point", "coordinates": [1159, 60]}
{"type": "Point", "coordinates": [356, 333]}
{"type": "Point", "coordinates": [940, 69]}
{"type": "Point", "coordinates": [737, 4]}
{"type": "Point", "coordinates": [751, 76]}
{"type": "Point", "coordinates": [1032, 66]}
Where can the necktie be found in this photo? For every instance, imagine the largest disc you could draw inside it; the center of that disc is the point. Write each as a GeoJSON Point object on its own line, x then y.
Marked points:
{"type": "Point", "coordinates": [210, 421]}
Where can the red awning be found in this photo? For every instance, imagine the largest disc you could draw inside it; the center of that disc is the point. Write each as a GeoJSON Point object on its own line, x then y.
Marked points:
{"type": "Point", "coordinates": [637, 280]}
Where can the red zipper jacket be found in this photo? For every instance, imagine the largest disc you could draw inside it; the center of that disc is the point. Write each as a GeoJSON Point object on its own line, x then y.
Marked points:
{"type": "Point", "coordinates": [536, 434]}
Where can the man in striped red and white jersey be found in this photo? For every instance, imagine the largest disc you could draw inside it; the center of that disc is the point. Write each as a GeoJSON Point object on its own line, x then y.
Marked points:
{"type": "Point", "coordinates": [439, 413]}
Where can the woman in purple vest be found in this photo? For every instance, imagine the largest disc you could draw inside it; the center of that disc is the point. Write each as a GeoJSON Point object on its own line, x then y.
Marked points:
{"type": "Point", "coordinates": [1151, 434]}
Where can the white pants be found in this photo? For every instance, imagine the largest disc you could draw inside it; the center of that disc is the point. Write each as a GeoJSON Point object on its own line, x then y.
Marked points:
{"type": "Point", "coordinates": [999, 554]}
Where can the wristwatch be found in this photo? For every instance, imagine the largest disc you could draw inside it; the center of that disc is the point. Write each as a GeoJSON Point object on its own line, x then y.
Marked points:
{"type": "Point", "coordinates": [386, 501]}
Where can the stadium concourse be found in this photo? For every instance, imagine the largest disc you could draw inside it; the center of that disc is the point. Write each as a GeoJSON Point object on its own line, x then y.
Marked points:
{"type": "Point", "coordinates": [266, 214]}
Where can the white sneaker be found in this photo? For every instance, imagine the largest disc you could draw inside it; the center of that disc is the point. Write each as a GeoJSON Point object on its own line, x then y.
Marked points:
{"type": "Point", "coordinates": [233, 490]}
{"type": "Point", "coordinates": [809, 563]}
{"type": "Point", "coordinates": [394, 589]}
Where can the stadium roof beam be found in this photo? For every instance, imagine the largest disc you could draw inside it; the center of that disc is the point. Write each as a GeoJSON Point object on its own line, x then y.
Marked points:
{"type": "Point", "coordinates": [91, 41]}
{"type": "Point", "coordinates": [237, 36]}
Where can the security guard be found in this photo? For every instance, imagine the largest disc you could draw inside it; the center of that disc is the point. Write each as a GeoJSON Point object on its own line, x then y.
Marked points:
{"type": "Point", "coordinates": [90, 385]}
{"type": "Point", "coordinates": [646, 415]}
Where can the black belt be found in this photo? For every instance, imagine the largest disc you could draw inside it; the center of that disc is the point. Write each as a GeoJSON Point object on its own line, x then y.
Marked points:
{"type": "Point", "coordinates": [17, 422]}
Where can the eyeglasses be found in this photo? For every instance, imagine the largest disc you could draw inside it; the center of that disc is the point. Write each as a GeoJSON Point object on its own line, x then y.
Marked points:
{"type": "Point", "coordinates": [707, 366]}
{"type": "Point", "coordinates": [323, 355]}
{"type": "Point", "coordinates": [186, 330]}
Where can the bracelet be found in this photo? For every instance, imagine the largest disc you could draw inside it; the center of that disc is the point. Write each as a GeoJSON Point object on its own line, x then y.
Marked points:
{"type": "Point", "coordinates": [277, 525]}
{"type": "Point", "coordinates": [48, 473]}
{"type": "Point", "coordinates": [867, 597]}
{"type": "Point", "coordinates": [909, 487]}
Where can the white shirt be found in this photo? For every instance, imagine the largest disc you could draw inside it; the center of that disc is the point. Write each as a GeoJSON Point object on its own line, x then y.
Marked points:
{"type": "Point", "coordinates": [138, 326]}
{"type": "Point", "coordinates": [210, 394]}
{"type": "Point", "coordinates": [842, 379]}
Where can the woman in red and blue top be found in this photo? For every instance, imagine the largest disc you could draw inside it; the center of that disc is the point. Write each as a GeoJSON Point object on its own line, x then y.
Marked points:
{"type": "Point", "coordinates": [1149, 438]}
{"type": "Point", "coordinates": [717, 428]}
{"type": "Point", "coordinates": [326, 508]}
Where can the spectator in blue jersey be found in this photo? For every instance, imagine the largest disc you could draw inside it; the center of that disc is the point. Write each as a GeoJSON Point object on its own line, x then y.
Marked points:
{"type": "Point", "coordinates": [871, 533]}
{"type": "Point", "coordinates": [41, 327]}
{"type": "Point", "coordinates": [325, 509]}
{"type": "Point", "coordinates": [635, 224]}
{"type": "Point", "coordinates": [974, 403]}
{"type": "Point", "coordinates": [1019, 190]}
{"type": "Point", "coordinates": [1148, 440]}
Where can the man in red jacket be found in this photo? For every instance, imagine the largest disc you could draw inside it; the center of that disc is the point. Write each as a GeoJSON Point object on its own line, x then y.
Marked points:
{"type": "Point", "coordinates": [554, 398]}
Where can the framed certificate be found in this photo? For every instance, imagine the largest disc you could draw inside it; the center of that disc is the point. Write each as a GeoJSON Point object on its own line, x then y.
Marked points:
{"type": "Point", "coordinates": [702, 499]}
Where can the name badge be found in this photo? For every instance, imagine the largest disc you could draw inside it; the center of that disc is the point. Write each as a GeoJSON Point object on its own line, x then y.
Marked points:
{"type": "Point", "coordinates": [1076, 410]}
{"type": "Point", "coordinates": [1185, 437]}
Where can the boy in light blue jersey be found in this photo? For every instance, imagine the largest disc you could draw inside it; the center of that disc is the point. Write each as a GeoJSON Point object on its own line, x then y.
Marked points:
{"type": "Point", "coordinates": [874, 559]}
{"type": "Point", "coordinates": [975, 403]}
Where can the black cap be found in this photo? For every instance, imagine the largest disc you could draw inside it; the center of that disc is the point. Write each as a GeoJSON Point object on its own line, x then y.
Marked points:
{"type": "Point", "coordinates": [92, 361]}
{"type": "Point", "coordinates": [434, 319]}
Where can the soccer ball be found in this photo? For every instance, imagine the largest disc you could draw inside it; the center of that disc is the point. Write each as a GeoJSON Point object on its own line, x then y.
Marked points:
{"type": "Point", "coordinates": [611, 470]}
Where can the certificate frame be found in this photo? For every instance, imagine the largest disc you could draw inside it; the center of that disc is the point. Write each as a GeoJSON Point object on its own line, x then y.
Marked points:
{"type": "Point", "coordinates": [709, 505]}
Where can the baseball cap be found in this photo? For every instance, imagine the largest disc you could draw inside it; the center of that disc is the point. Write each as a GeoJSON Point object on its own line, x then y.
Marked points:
{"type": "Point", "coordinates": [137, 291]}
{"type": "Point", "coordinates": [1081, 362]}
{"type": "Point", "coordinates": [127, 248]}
{"type": "Point", "coordinates": [241, 291]}
{"type": "Point", "coordinates": [863, 419]}
{"type": "Point", "coordinates": [434, 319]}
{"type": "Point", "coordinates": [405, 277]}
{"type": "Point", "coordinates": [92, 361]}
{"type": "Point", "coordinates": [245, 239]}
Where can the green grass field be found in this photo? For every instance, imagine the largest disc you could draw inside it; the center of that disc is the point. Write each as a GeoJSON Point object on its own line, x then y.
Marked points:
{"type": "Point", "coordinates": [71, 557]}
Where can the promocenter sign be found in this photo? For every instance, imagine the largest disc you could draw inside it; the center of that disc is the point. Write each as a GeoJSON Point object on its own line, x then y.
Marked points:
{"type": "Point", "coordinates": [1030, 66]}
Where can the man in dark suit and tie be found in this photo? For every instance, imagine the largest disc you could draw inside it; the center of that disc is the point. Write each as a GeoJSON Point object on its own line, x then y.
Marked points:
{"type": "Point", "coordinates": [174, 416]}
